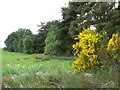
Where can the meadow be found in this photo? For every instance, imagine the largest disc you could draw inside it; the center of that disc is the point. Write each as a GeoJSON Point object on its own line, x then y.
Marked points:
{"type": "Point", "coordinates": [43, 71]}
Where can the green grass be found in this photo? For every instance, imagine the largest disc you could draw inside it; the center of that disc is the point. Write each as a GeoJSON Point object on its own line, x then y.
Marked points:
{"type": "Point", "coordinates": [24, 62]}
{"type": "Point", "coordinates": [44, 71]}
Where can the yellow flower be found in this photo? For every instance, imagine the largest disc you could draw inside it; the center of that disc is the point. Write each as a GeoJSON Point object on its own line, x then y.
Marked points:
{"type": "Point", "coordinates": [113, 44]}
{"type": "Point", "coordinates": [85, 50]}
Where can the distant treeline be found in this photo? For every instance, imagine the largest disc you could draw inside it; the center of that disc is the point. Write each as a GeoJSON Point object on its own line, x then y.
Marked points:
{"type": "Point", "coordinates": [57, 37]}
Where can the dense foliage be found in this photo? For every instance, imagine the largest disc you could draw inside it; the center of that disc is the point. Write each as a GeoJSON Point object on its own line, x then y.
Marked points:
{"type": "Point", "coordinates": [14, 41]}
{"type": "Point", "coordinates": [103, 15]}
{"type": "Point", "coordinates": [53, 42]}
{"type": "Point", "coordinates": [28, 44]}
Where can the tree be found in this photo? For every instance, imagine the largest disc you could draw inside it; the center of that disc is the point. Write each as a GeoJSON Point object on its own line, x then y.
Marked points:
{"type": "Point", "coordinates": [39, 39]}
{"type": "Point", "coordinates": [53, 41]}
{"type": "Point", "coordinates": [14, 41]}
{"type": "Point", "coordinates": [79, 15]}
{"type": "Point", "coordinates": [28, 44]}
{"type": "Point", "coordinates": [9, 41]}
{"type": "Point", "coordinates": [20, 45]}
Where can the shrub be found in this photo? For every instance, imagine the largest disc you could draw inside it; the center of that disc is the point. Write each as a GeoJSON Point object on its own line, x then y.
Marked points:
{"type": "Point", "coordinates": [85, 50]}
{"type": "Point", "coordinates": [114, 48]}
{"type": "Point", "coordinates": [114, 44]}
{"type": "Point", "coordinates": [93, 50]}
{"type": "Point", "coordinates": [101, 48]}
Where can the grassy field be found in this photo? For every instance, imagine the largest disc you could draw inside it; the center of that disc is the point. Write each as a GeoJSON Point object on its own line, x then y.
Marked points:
{"type": "Point", "coordinates": [43, 71]}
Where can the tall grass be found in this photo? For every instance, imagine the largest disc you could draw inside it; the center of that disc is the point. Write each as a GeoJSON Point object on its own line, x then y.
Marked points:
{"type": "Point", "coordinates": [62, 79]}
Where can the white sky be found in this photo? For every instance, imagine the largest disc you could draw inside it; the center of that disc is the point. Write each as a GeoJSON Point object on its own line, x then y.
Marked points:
{"type": "Point", "coordinates": [15, 14]}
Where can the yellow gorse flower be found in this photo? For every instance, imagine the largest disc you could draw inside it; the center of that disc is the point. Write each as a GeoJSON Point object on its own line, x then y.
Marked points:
{"type": "Point", "coordinates": [114, 43]}
{"type": "Point", "coordinates": [85, 50]}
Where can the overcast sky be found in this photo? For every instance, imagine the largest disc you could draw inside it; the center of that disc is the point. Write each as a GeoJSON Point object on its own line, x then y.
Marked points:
{"type": "Point", "coordinates": [15, 14]}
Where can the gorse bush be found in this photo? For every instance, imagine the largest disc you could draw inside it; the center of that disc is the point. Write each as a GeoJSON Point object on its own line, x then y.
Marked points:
{"type": "Point", "coordinates": [114, 48]}
{"type": "Point", "coordinates": [93, 50]}
{"type": "Point", "coordinates": [114, 44]}
{"type": "Point", "coordinates": [85, 50]}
